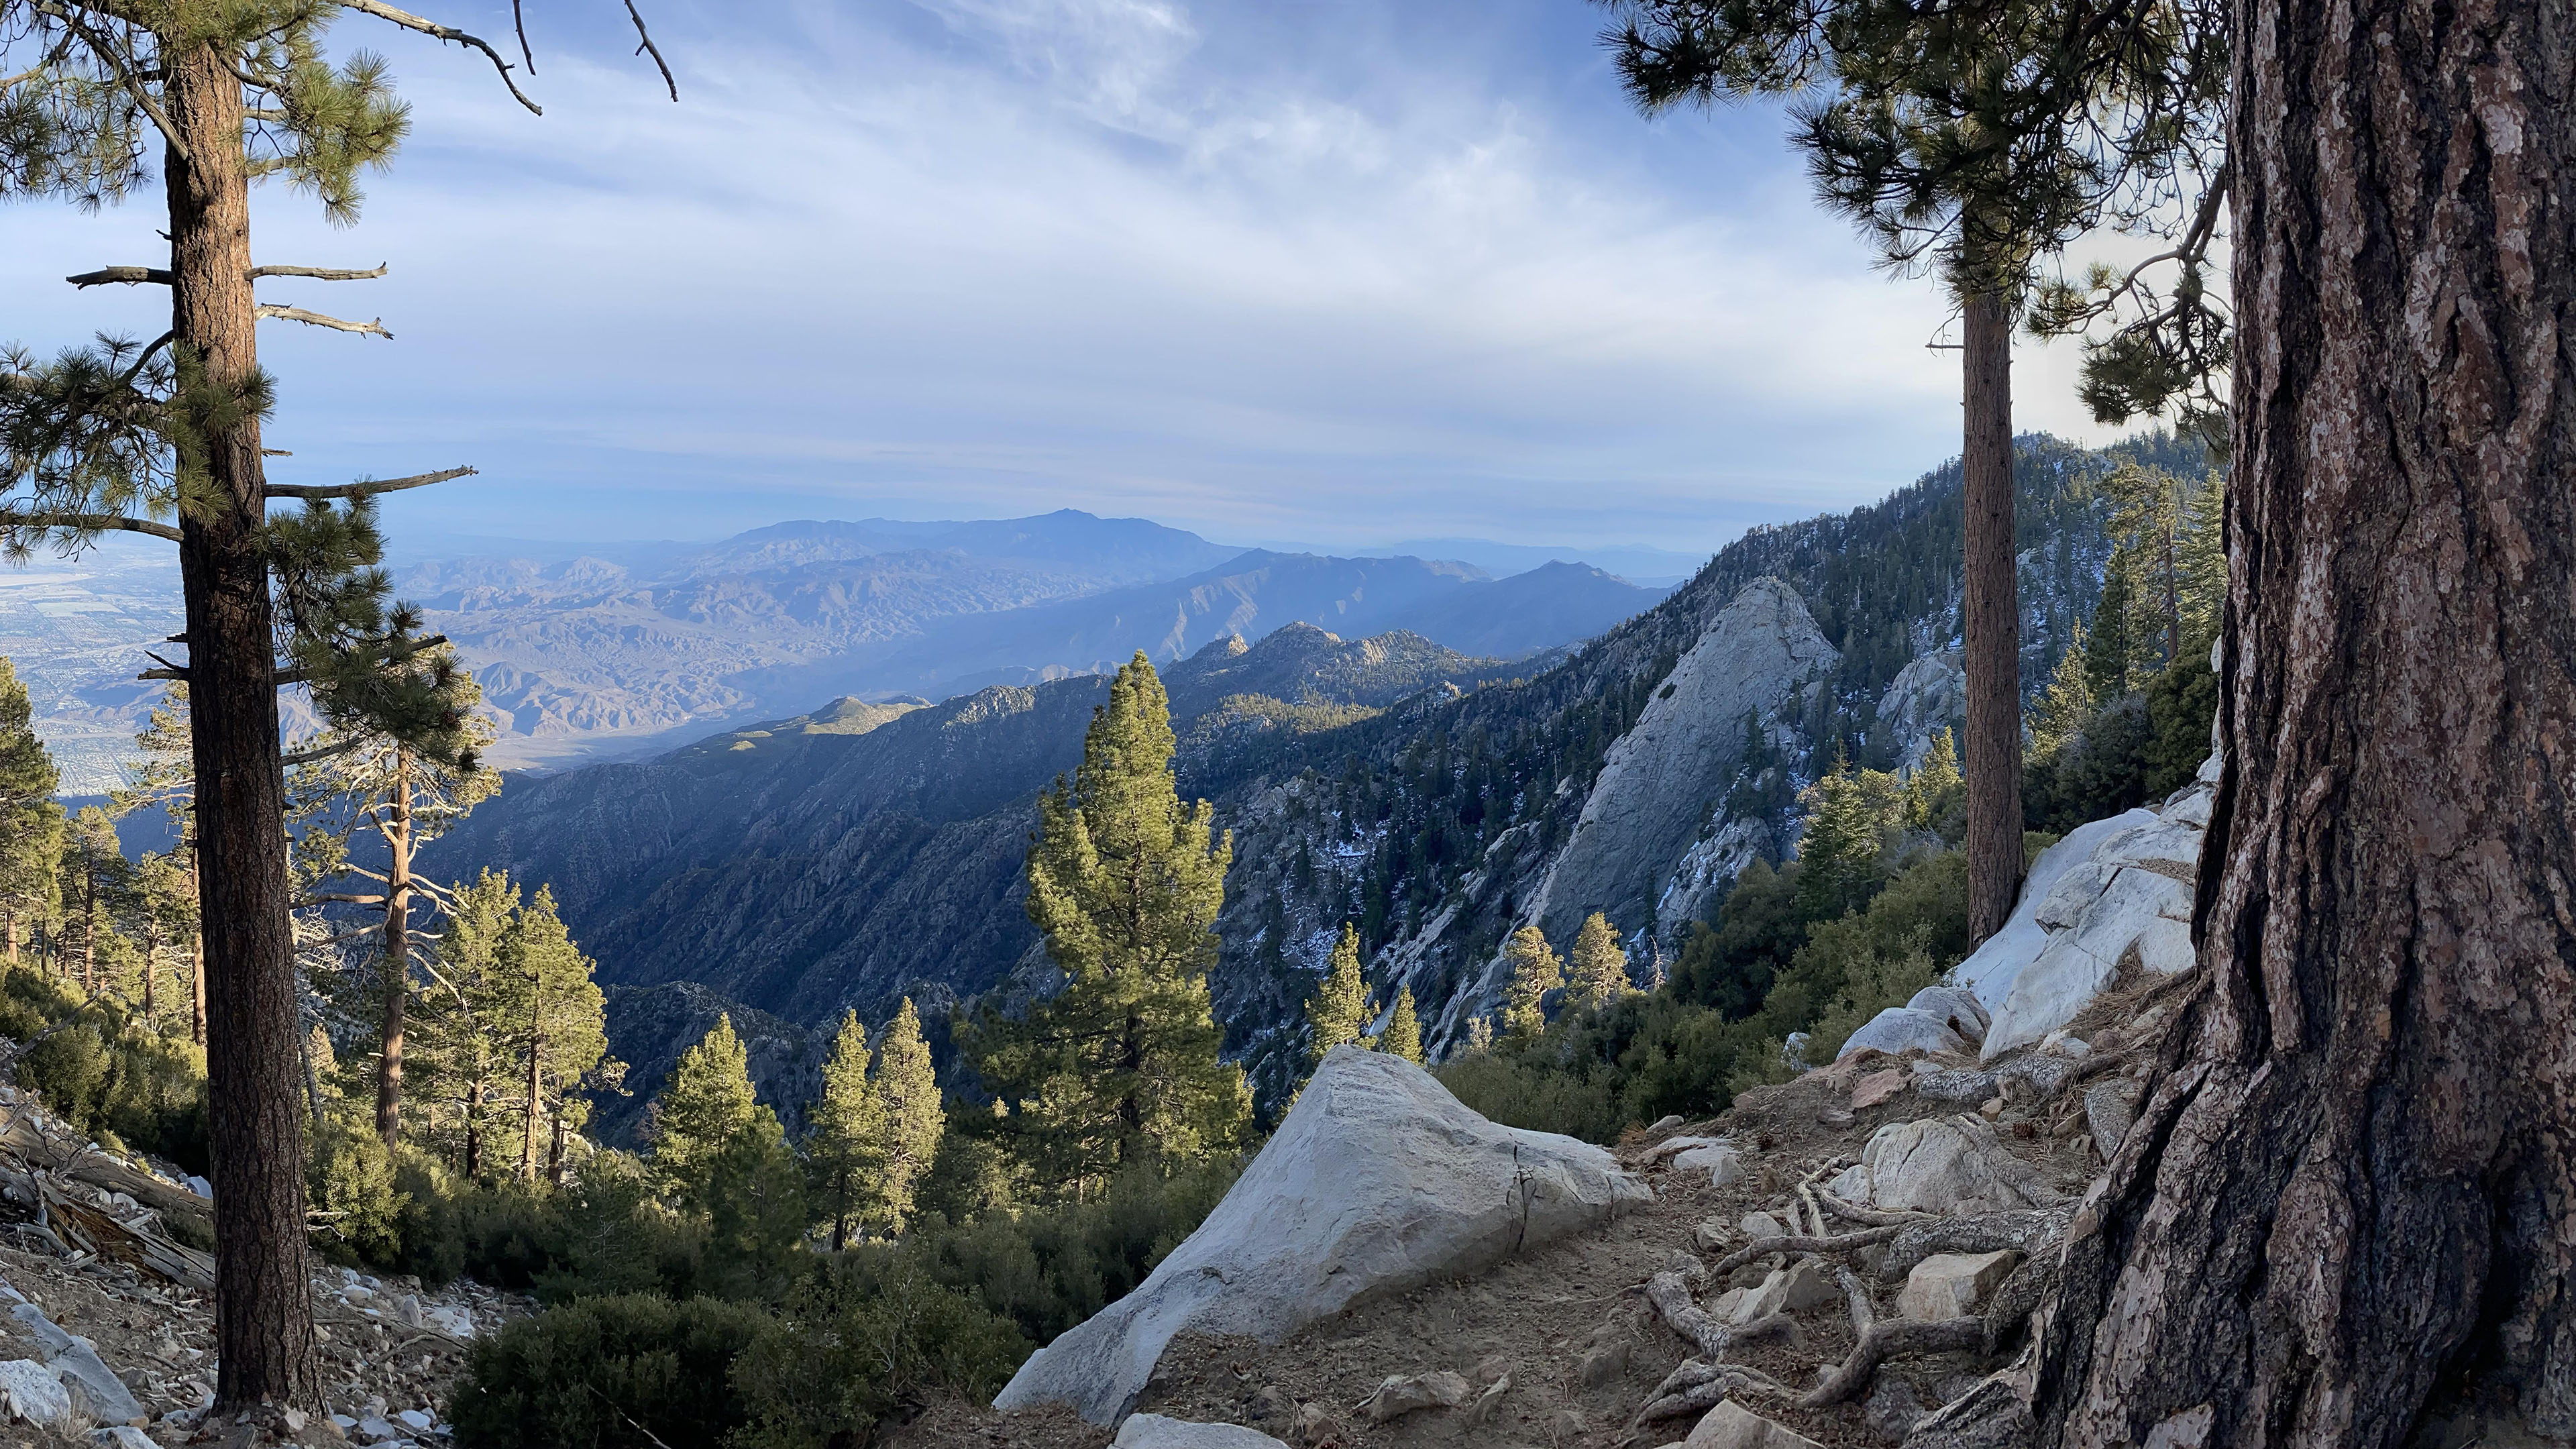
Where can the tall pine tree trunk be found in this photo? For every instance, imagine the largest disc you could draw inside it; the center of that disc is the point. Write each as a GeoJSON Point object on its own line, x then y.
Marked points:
{"type": "Point", "coordinates": [263, 1296]}
{"type": "Point", "coordinates": [474, 1128]}
{"type": "Point", "coordinates": [397, 944]}
{"type": "Point", "coordinates": [151, 968]}
{"type": "Point", "coordinates": [536, 1107]}
{"type": "Point", "coordinates": [2349, 1203]}
{"type": "Point", "coordinates": [89, 929]}
{"type": "Point", "coordinates": [1992, 620]}
{"type": "Point", "coordinates": [197, 989]}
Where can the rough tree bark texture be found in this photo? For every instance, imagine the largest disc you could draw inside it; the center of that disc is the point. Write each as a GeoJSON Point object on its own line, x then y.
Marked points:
{"type": "Point", "coordinates": [1992, 622]}
{"type": "Point", "coordinates": [264, 1307]}
{"type": "Point", "coordinates": [2349, 1207]}
{"type": "Point", "coordinates": [397, 943]}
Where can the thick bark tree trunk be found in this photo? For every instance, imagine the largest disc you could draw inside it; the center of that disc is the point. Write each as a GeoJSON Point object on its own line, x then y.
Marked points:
{"type": "Point", "coordinates": [536, 1103]}
{"type": "Point", "coordinates": [474, 1131]}
{"type": "Point", "coordinates": [263, 1293]}
{"type": "Point", "coordinates": [2348, 1208]}
{"type": "Point", "coordinates": [1991, 621]}
{"type": "Point", "coordinates": [197, 989]}
{"type": "Point", "coordinates": [397, 942]}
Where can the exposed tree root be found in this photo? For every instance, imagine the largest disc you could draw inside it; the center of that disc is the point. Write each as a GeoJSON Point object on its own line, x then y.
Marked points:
{"type": "Point", "coordinates": [1801, 1243]}
{"type": "Point", "coordinates": [1712, 1383]}
{"type": "Point", "coordinates": [1856, 1294]}
{"type": "Point", "coordinates": [1886, 1340]}
{"type": "Point", "coordinates": [2026, 1231]}
{"type": "Point", "coordinates": [1670, 1294]}
{"type": "Point", "coordinates": [1874, 1217]}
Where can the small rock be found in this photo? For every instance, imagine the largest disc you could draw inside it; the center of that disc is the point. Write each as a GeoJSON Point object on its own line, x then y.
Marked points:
{"type": "Point", "coordinates": [122, 1436]}
{"type": "Point", "coordinates": [1664, 1124]}
{"type": "Point", "coordinates": [1273, 1403]}
{"type": "Point", "coordinates": [1567, 1426]}
{"type": "Point", "coordinates": [418, 1421]}
{"type": "Point", "coordinates": [1834, 1117]}
{"type": "Point", "coordinates": [1404, 1394]}
{"type": "Point", "coordinates": [1892, 1409]}
{"type": "Point", "coordinates": [1951, 1285]}
{"type": "Point", "coordinates": [372, 1430]}
{"type": "Point", "coordinates": [2066, 1045]}
{"type": "Point", "coordinates": [1877, 1087]}
{"type": "Point", "coordinates": [29, 1391]}
{"type": "Point", "coordinates": [1799, 1286]}
{"type": "Point", "coordinates": [1723, 1310]}
{"type": "Point", "coordinates": [1314, 1428]}
{"type": "Point", "coordinates": [1991, 1108]}
{"type": "Point", "coordinates": [407, 1310]}
{"type": "Point", "coordinates": [1712, 1234]}
{"type": "Point", "coordinates": [1490, 1402]}
{"type": "Point", "coordinates": [1760, 1225]}
{"type": "Point", "coordinates": [1153, 1431]}
{"type": "Point", "coordinates": [1603, 1365]}
{"type": "Point", "coordinates": [1490, 1368]}
{"type": "Point", "coordinates": [1731, 1426]}
{"type": "Point", "coordinates": [1724, 1166]}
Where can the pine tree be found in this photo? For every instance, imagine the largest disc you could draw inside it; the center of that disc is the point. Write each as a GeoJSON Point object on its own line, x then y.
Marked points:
{"type": "Point", "coordinates": [1338, 1013]}
{"type": "Point", "coordinates": [1121, 1066]}
{"type": "Point", "coordinates": [458, 1044]}
{"type": "Point", "coordinates": [1403, 1034]}
{"type": "Point", "coordinates": [1851, 817]}
{"type": "Point", "coordinates": [845, 1135]}
{"type": "Point", "coordinates": [1536, 971]}
{"type": "Point", "coordinates": [2201, 563]}
{"type": "Point", "coordinates": [907, 1090]}
{"type": "Point", "coordinates": [1480, 1033]}
{"type": "Point", "coordinates": [707, 1102]}
{"type": "Point", "coordinates": [2108, 649]}
{"type": "Point", "coordinates": [2061, 710]}
{"type": "Point", "coordinates": [2147, 517]}
{"type": "Point", "coordinates": [93, 876]}
{"type": "Point", "coordinates": [1598, 967]}
{"type": "Point", "coordinates": [1931, 789]}
{"type": "Point", "coordinates": [551, 1016]}
{"type": "Point", "coordinates": [165, 440]}
{"type": "Point", "coordinates": [31, 824]}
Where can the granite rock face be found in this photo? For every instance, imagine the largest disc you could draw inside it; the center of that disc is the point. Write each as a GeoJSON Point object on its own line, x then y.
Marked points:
{"type": "Point", "coordinates": [1927, 695]}
{"type": "Point", "coordinates": [1378, 1181]}
{"type": "Point", "coordinates": [1664, 777]}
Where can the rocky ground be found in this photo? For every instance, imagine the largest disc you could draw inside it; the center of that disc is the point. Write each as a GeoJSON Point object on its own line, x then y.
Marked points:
{"type": "Point", "coordinates": [109, 1324]}
{"type": "Point", "coordinates": [1625, 1335]}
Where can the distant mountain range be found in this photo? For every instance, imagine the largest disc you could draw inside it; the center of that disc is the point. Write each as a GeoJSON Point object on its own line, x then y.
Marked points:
{"type": "Point", "coordinates": [609, 651]}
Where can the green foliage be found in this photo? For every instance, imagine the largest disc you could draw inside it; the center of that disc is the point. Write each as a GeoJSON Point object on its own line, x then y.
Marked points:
{"type": "Point", "coordinates": [2061, 709]}
{"type": "Point", "coordinates": [705, 1104]}
{"type": "Point", "coordinates": [102, 1072]}
{"type": "Point", "coordinates": [1597, 973]}
{"type": "Point", "coordinates": [349, 1184]}
{"type": "Point", "coordinates": [1729, 967]}
{"type": "Point", "coordinates": [845, 1136]}
{"type": "Point", "coordinates": [1121, 1066]}
{"type": "Point", "coordinates": [2181, 703]}
{"type": "Point", "coordinates": [1852, 820]}
{"type": "Point", "coordinates": [1403, 1034]}
{"type": "Point", "coordinates": [916, 1121]}
{"type": "Point", "coordinates": [1536, 971]}
{"type": "Point", "coordinates": [1338, 1013]}
{"type": "Point", "coordinates": [622, 1372]}
{"type": "Point", "coordinates": [31, 823]}
{"type": "Point", "coordinates": [754, 1200]}
{"type": "Point", "coordinates": [1936, 794]}
{"type": "Point", "coordinates": [867, 1334]}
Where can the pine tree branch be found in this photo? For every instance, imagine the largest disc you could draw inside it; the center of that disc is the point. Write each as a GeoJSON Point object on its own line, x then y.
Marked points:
{"type": "Point", "coordinates": [343, 898]}
{"type": "Point", "coordinates": [317, 319]}
{"type": "Point", "coordinates": [100, 522]}
{"type": "Point", "coordinates": [324, 752]}
{"type": "Point", "coordinates": [326, 274]}
{"type": "Point", "coordinates": [433, 29]}
{"type": "Point", "coordinates": [365, 488]}
{"type": "Point", "coordinates": [123, 64]}
{"type": "Point", "coordinates": [130, 276]}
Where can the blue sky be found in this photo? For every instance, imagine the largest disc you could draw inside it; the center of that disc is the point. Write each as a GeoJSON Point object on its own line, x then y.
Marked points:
{"type": "Point", "coordinates": [1345, 271]}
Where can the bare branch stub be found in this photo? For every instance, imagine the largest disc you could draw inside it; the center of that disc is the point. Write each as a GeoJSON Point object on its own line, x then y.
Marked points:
{"type": "Point", "coordinates": [88, 522]}
{"type": "Point", "coordinates": [375, 328]}
{"type": "Point", "coordinates": [130, 276]}
{"type": "Point", "coordinates": [327, 274]}
{"type": "Point", "coordinates": [433, 29]}
{"type": "Point", "coordinates": [365, 487]}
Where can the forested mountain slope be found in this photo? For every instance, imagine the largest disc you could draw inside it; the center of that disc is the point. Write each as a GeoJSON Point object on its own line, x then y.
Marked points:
{"type": "Point", "coordinates": [1435, 800]}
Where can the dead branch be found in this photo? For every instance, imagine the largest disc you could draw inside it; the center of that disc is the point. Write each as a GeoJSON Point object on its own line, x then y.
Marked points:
{"type": "Point", "coordinates": [1886, 1340]}
{"type": "Point", "coordinates": [324, 752]}
{"type": "Point", "coordinates": [1765, 1247]}
{"type": "Point", "coordinates": [130, 276]}
{"type": "Point", "coordinates": [1695, 1387]}
{"type": "Point", "coordinates": [317, 319]}
{"type": "Point", "coordinates": [102, 522]}
{"type": "Point", "coordinates": [326, 274]}
{"type": "Point", "coordinates": [647, 47]}
{"type": "Point", "coordinates": [433, 29]}
{"type": "Point", "coordinates": [365, 487]}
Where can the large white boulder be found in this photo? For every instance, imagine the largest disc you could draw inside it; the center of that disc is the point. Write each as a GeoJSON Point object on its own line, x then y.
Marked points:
{"type": "Point", "coordinates": [2143, 910]}
{"type": "Point", "coordinates": [1957, 1007]}
{"type": "Point", "coordinates": [1377, 1182]}
{"type": "Point", "coordinates": [1153, 1431]}
{"type": "Point", "coordinates": [1900, 1028]}
{"type": "Point", "coordinates": [1990, 970]}
{"type": "Point", "coordinates": [1952, 1165]}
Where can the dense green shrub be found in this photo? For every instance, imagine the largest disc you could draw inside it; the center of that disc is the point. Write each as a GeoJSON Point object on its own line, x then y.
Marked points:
{"type": "Point", "coordinates": [2132, 750]}
{"type": "Point", "coordinates": [349, 1181]}
{"type": "Point", "coordinates": [106, 1075]}
{"type": "Point", "coordinates": [2181, 703]}
{"type": "Point", "coordinates": [860, 1337]}
{"type": "Point", "coordinates": [625, 1372]}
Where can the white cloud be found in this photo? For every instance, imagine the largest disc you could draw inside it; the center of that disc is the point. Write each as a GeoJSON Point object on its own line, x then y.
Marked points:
{"type": "Point", "coordinates": [978, 256]}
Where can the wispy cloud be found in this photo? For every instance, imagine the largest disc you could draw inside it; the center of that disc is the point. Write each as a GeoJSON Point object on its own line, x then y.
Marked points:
{"type": "Point", "coordinates": [1334, 271]}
